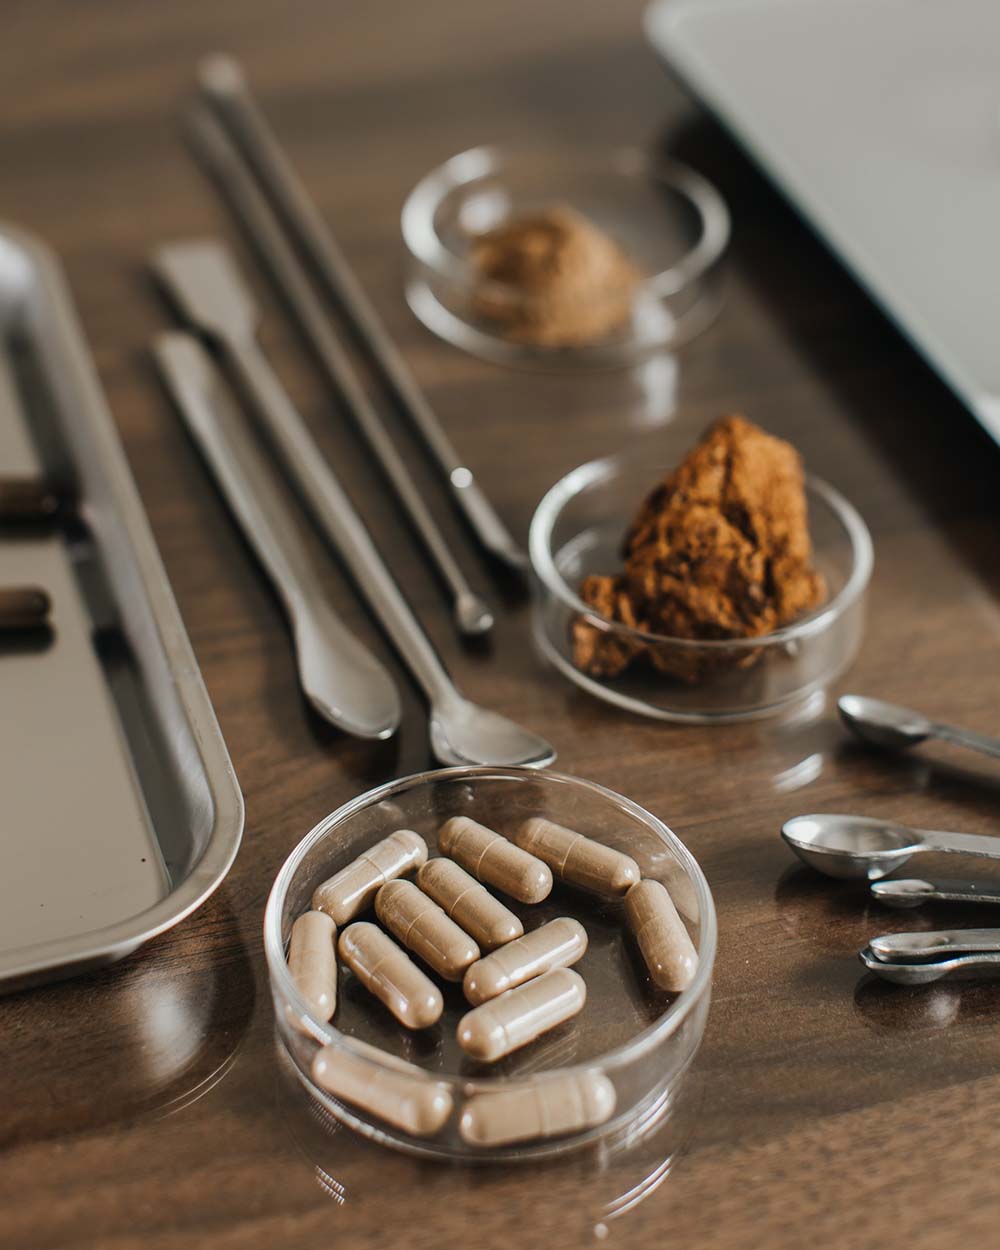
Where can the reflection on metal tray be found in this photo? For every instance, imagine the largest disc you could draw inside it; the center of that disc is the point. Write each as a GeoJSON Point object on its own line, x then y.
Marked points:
{"type": "Point", "coordinates": [120, 810]}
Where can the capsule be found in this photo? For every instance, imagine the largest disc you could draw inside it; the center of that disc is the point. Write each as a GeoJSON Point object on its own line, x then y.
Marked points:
{"type": "Point", "coordinates": [663, 941]}
{"type": "Point", "coordinates": [490, 857]}
{"type": "Point", "coordinates": [312, 961]}
{"type": "Point", "coordinates": [389, 973]}
{"type": "Point", "coordinates": [471, 906]}
{"type": "Point", "coordinates": [425, 929]}
{"type": "Point", "coordinates": [503, 1024]}
{"type": "Point", "coordinates": [24, 607]}
{"type": "Point", "coordinates": [27, 499]}
{"type": "Point", "coordinates": [402, 1096]}
{"type": "Point", "coordinates": [549, 1108]}
{"type": "Point", "coordinates": [577, 859]}
{"type": "Point", "coordinates": [354, 888]}
{"type": "Point", "coordinates": [555, 945]}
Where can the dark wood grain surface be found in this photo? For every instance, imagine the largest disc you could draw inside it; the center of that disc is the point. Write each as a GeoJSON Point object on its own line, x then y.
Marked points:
{"type": "Point", "coordinates": [144, 1106]}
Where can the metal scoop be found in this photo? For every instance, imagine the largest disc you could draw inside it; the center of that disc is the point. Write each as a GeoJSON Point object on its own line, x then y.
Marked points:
{"type": "Point", "coordinates": [339, 676]}
{"type": "Point", "coordinates": [897, 728]}
{"type": "Point", "coordinates": [863, 848]}
{"type": "Point", "coordinates": [985, 964]}
{"type": "Point", "coordinates": [908, 892]}
{"type": "Point", "coordinates": [901, 948]}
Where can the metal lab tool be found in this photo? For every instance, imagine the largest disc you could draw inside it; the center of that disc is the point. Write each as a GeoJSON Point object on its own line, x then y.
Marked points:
{"type": "Point", "coordinates": [986, 964]}
{"type": "Point", "coordinates": [912, 892]}
{"type": "Point", "coordinates": [121, 812]}
{"type": "Point", "coordinates": [229, 168]}
{"type": "Point", "coordinates": [224, 87]}
{"type": "Point", "coordinates": [210, 294]}
{"type": "Point", "coordinates": [897, 728]}
{"type": "Point", "coordinates": [866, 848]}
{"type": "Point", "coordinates": [340, 677]}
{"type": "Point", "coordinates": [901, 948]}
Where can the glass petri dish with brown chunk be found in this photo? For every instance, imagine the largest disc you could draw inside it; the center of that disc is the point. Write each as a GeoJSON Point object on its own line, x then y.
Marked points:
{"type": "Point", "coordinates": [735, 588]}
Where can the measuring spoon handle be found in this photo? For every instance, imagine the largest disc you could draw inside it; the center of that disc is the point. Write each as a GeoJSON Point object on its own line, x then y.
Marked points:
{"type": "Point", "coordinates": [982, 743]}
{"type": "Point", "coordinates": [982, 845]}
{"type": "Point", "coordinates": [913, 891]}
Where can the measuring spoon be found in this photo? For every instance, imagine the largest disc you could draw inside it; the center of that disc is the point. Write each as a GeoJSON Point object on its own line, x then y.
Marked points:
{"type": "Point", "coordinates": [913, 891]}
{"type": "Point", "coordinates": [986, 964]}
{"type": "Point", "coordinates": [864, 848]}
{"type": "Point", "coordinates": [897, 728]}
{"type": "Point", "coordinates": [900, 948]}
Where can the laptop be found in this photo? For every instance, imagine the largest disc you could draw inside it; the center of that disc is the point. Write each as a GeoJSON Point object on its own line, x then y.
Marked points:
{"type": "Point", "coordinates": [880, 121]}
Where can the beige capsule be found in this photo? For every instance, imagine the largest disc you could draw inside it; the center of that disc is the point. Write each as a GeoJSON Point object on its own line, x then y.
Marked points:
{"type": "Point", "coordinates": [312, 961]}
{"type": "Point", "coordinates": [503, 1024]}
{"type": "Point", "coordinates": [557, 944]}
{"type": "Point", "coordinates": [398, 1093]}
{"type": "Point", "coordinates": [425, 929]}
{"type": "Point", "coordinates": [549, 1108]}
{"type": "Point", "coordinates": [471, 906]}
{"type": "Point", "coordinates": [578, 859]}
{"type": "Point", "coordinates": [391, 975]}
{"type": "Point", "coordinates": [354, 888]}
{"type": "Point", "coordinates": [490, 857]}
{"type": "Point", "coordinates": [664, 943]}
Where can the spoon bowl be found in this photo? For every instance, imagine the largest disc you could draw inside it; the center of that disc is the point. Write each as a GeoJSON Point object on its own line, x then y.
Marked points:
{"type": "Point", "coordinates": [850, 847]}
{"type": "Point", "coordinates": [464, 733]}
{"type": "Point", "coordinates": [905, 974]}
{"type": "Point", "coordinates": [904, 893]}
{"type": "Point", "coordinates": [883, 724]}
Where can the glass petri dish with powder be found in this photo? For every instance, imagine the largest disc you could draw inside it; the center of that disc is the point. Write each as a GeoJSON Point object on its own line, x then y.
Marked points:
{"type": "Point", "coordinates": [566, 260]}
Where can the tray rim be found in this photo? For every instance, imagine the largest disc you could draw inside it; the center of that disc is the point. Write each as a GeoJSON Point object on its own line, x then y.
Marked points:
{"type": "Point", "coordinates": [22, 966]}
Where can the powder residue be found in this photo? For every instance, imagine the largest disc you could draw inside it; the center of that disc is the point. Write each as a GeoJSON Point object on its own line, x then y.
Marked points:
{"type": "Point", "coordinates": [552, 279]}
{"type": "Point", "coordinates": [720, 549]}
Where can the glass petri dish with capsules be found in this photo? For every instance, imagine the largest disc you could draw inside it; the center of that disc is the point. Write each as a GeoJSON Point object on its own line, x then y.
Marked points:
{"type": "Point", "coordinates": [562, 259]}
{"type": "Point", "coordinates": [616, 1063]}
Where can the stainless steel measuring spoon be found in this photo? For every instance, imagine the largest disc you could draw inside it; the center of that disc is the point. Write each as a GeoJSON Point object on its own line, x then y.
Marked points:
{"type": "Point", "coordinates": [901, 948]}
{"type": "Point", "coordinates": [864, 848]}
{"type": "Point", "coordinates": [986, 964]}
{"type": "Point", "coordinates": [905, 892]}
{"type": "Point", "coordinates": [897, 728]}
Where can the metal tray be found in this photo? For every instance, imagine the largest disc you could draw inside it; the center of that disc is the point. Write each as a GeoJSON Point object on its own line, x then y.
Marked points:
{"type": "Point", "coordinates": [119, 809]}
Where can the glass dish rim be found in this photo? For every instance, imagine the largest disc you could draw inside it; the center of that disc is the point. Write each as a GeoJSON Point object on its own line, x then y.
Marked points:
{"type": "Point", "coordinates": [326, 1033]}
{"type": "Point", "coordinates": [712, 235]}
{"type": "Point", "coordinates": [568, 487]}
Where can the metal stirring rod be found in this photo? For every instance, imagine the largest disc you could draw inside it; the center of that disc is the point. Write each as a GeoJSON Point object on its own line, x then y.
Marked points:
{"type": "Point", "coordinates": [224, 87]}
{"type": "Point", "coordinates": [471, 614]}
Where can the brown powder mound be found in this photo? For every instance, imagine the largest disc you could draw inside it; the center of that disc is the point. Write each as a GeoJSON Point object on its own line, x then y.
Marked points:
{"type": "Point", "coordinates": [720, 549]}
{"type": "Point", "coordinates": [554, 279]}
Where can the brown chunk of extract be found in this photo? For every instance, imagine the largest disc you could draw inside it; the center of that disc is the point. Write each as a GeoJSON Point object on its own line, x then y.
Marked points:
{"type": "Point", "coordinates": [720, 549]}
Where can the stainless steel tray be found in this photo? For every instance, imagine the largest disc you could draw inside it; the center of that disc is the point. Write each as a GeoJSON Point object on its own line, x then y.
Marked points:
{"type": "Point", "coordinates": [119, 809]}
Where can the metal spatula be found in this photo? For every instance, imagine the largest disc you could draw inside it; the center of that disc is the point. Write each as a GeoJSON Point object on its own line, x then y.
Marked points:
{"type": "Point", "coordinates": [341, 678]}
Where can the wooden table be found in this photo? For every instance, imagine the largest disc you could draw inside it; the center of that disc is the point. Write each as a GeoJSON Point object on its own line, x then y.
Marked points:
{"type": "Point", "coordinates": [143, 1106]}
